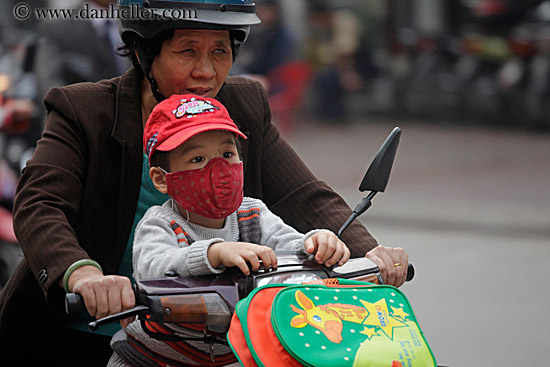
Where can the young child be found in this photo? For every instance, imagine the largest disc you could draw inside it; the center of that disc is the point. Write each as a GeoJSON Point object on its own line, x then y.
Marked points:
{"type": "Point", "coordinates": [207, 224]}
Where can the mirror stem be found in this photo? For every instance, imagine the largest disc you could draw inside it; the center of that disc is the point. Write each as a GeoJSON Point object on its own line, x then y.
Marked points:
{"type": "Point", "coordinates": [359, 209]}
{"type": "Point", "coordinates": [365, 203]}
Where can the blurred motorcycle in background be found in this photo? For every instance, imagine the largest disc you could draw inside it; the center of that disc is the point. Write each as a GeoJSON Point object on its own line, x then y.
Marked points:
{"type": "Point", "coordinates": [493, 66]}
{"type": "Point", "coordinates": [18, 134]}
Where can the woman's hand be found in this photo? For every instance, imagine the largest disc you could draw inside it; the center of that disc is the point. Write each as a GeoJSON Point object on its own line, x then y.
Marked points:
{"type": "Point", "coordinates": [103, 295]}
{"type": "Point", "coordinates": [392, 262]}
{"type": "Point", "coordinates": [241, 254]}
{"type": "Point", "coordinates": [328, 248]}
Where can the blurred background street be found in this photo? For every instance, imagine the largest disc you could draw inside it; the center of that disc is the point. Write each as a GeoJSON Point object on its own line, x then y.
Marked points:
{"type": "Point", "coordinates": [468, 82]}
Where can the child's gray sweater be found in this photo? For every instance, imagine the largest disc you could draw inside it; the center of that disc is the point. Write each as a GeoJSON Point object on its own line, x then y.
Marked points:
{"type": "Point", "coordinates": [157, 250]}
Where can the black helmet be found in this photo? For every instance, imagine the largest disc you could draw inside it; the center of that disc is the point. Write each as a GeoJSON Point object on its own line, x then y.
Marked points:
{"type": "Point", "coordinates": [141, 20]}
{"type": "Point", "coordinates": [147, 18]}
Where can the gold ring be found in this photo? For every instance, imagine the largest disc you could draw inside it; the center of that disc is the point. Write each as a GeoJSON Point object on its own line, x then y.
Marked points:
{"type": "Point", "coordinates": [397, 264]}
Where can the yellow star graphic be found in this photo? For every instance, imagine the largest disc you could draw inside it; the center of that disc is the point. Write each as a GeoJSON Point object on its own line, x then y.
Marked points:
{"type": "Point", "coordinates": [380, 317]}
{"type": "Point", "coordinates": [398, 312]}
{"type": "Point", "coordinates": [368, 332]}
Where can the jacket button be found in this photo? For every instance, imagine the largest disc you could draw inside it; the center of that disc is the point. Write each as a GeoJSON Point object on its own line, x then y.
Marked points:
{"type": "Point", "coordinates": [42, 276]}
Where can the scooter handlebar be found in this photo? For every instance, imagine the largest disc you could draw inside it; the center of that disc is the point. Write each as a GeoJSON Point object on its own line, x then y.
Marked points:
{"type": "Point", "coordinates": [74, 304]}
{"type": "Point", "coordinates": [410, 272]}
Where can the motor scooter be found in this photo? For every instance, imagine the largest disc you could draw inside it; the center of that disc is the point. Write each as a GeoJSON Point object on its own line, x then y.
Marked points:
{"type": "Point", "coordinates": [211, 300]}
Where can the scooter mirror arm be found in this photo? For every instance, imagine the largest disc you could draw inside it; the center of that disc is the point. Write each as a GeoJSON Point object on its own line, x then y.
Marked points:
{"type": "Point", "coordinates": [359, 209]}
{"type": "Point", "coordinates": [365, 203]}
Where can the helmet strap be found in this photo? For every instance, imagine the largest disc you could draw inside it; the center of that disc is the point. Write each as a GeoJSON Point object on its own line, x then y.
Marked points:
{"type": "Point", "coordinates": [145, 65]}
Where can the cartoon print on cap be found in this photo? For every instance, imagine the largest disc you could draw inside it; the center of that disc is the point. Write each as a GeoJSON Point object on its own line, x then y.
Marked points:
{"type": "Point", "coordinates": [193, 107]}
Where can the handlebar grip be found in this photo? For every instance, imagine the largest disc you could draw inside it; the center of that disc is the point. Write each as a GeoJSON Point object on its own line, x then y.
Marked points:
{"type": "Point", "coordinates": [74, 304]}
{"type": "Point", "coordinates": [410, 272]}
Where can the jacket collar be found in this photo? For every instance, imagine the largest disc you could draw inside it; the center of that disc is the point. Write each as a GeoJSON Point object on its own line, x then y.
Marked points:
{"type": "Point", "coordinates": [128, 125]}
{"type": "Point", "coordinates": [128, 131]}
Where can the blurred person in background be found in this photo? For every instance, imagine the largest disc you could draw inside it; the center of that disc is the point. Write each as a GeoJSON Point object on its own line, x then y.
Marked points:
{"type": "Point", "coordinates": [270, 56]}
{"type": "Point", "coordinates": [334, 40]}
{"type": "Point", "coordinates": [269, 45]}
{"type": "Point", "coordinates": [78, 50]}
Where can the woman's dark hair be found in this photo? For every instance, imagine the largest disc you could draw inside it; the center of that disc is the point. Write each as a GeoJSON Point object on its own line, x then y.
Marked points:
{"type": "Point", "coordinates": [151, 46]}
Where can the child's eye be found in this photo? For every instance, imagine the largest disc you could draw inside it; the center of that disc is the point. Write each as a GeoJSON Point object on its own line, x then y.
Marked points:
{"type": "Point", "coordinates": [197, 159]}
{"type": "Point", "coordinates": [228, 155]}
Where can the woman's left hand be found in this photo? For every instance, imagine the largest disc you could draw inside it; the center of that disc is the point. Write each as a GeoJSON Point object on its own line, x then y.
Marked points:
{"type": "Point", "coordinates": [392, 262]}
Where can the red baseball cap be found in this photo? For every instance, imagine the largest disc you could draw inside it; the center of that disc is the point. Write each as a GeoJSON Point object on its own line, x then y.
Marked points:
{"type": "Point", "coordinates": [182, 116]}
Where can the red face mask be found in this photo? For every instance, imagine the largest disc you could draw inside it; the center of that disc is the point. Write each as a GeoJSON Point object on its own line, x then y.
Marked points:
{"type": "Point", "coordinates": [214, 191]}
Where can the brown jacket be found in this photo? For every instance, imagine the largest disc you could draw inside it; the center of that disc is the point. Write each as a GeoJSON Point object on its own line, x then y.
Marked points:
{"type": "Point", "coordinates": [78, 194]}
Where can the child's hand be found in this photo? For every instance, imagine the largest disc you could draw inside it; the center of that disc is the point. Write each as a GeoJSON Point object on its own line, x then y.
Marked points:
{"type": "Point", "coordinates": [241, 253]}
{"type": "Point", "coordinates": [328, 248]}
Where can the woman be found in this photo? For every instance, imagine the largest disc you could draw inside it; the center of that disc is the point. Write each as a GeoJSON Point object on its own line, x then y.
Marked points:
{"type": "Point", "coordinates": [83, 191]}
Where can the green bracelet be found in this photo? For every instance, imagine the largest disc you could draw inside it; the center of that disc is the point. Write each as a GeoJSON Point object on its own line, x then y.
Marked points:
{"type": "Point", "coordinates": [73, 267]}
